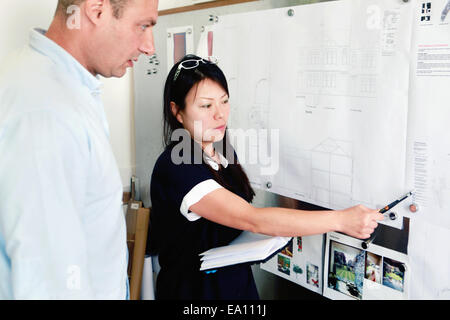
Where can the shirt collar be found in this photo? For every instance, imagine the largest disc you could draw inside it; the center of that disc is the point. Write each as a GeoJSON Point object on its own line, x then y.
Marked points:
{"type": "Point", "coordinates": [212, 163]}
{"type": "Point", "coordinates": [63, 59]}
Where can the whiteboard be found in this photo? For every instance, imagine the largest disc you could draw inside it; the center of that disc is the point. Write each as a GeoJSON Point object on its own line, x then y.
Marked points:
{"type": "Point", "coordinates": [401, 143]}
{"type": "Point", "coordinates": [381, 164]}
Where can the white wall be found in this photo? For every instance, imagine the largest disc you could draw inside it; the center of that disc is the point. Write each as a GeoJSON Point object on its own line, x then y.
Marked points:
{"type": "Point", "coordinates": [118, 102]}
{"type": "Point", "coordinates": [17, 17]}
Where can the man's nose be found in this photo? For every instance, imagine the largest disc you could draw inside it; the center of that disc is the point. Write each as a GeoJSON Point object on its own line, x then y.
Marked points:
{"type": "Point", "coordinates": [148, 46]}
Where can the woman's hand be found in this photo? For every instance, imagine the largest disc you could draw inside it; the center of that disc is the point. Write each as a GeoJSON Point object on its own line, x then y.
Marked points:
{"type": "Point", "coordinates": [358, 221]}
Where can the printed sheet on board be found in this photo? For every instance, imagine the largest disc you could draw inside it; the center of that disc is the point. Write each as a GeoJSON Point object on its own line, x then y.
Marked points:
{"type": "Point", "coordinates": [319, 97]}
{"type": "Point", "coordinates": [428, 166]}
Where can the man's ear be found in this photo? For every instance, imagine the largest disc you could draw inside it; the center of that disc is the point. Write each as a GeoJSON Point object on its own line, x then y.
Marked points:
{"type": "Point", "coordinates": [176, 111]}
{"type": "Point", "coordinates": [94, 9]}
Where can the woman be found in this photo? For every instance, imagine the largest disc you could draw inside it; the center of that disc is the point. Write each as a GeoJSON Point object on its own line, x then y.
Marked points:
{"type": "Point", "coordinates": [201, 198]}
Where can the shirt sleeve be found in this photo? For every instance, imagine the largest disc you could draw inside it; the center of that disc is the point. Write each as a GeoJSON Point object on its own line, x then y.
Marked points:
{"type": "Point", "coordinates": [43, 170]}
{"type": "Point", "coordinates": [188, 184]}
{"type": "Point", "coordinates": [195, 195]}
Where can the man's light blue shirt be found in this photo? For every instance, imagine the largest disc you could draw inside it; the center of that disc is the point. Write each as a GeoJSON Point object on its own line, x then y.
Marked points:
{"type": "Point", "coordinates": [62, 228]}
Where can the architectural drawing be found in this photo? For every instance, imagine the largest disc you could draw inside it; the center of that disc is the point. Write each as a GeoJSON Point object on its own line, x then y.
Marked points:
{"type": "Point", "coordinates": [332, 173]}
{"type": "Point", "coordinates": [323, 77]}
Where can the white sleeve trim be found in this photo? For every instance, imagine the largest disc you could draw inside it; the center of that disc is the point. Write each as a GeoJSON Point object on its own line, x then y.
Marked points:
{"type": "Point", "coordinates": [195, 195]}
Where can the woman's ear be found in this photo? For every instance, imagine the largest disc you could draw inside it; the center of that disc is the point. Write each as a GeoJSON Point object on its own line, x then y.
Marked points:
{"type": "Point", "coordinates": [176, 111]}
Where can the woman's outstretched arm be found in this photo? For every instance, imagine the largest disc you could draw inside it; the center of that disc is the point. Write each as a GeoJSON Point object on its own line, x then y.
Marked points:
{"type": "Point", "coordinates": [226, 208]}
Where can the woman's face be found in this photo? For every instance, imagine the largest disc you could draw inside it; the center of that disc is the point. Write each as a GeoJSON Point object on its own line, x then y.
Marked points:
{"type": "Point", "coordinates": [206, 113]}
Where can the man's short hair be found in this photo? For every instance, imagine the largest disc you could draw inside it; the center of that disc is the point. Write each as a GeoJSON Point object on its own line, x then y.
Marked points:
{"type": "Point", "coordinates": [117, 5]}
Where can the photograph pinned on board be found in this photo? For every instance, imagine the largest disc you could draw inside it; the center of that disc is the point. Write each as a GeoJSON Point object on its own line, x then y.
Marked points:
{"type": "Point", "coordinates": [299, 244]}
{"type": "Point", "coordinates": [346, 269]}
{"type": "Point", "coordinates": [297, 270]}
{"type": "Point", "coordinates": [373, 267]}
{"type": "Point", "coordinates": [284, 264]}
{"type": "Point", "coordinates": [393, 274]}
{"type": "Point", "coordinates": [312, 274]}
{"type": "Point", "coordinates": [287, 250]}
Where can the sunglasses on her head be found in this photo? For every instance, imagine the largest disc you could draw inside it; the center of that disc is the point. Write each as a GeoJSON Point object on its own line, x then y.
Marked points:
{"type": "Point", "coordinates": [192, 64]}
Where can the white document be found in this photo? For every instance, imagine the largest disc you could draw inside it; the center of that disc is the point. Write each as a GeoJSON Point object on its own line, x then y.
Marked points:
{"type": "Point", "coordinates": [428, 163]}
{"type": "Point", "coordinates": [373, 274]}
{"type": "Point", "coordinates": [331, 81]}
{"type": "Point", "coordinates": [247, 247]}
{"type": "Point", "coordinates": [429, 113]}
{"type": "Point", "coordinates": [300, 262]}
{"type": "Point", "coordinates": [205, 47]}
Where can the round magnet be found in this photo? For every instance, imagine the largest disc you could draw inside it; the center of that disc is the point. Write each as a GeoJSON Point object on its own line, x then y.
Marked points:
{"type": "Point", "coordinates": [413, 207]}
{"type": "Point", "coordinates": [392, 215]}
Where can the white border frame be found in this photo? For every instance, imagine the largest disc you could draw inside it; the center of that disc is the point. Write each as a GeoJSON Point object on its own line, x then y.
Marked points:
{"type": "Point", "coordinates": [388, 293]}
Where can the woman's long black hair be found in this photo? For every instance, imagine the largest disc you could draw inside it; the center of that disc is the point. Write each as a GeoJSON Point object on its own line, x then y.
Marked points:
{"type": "Point", "coordinates": [176, 90]}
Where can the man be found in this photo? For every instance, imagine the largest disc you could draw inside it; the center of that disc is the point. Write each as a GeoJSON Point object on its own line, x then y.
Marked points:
{"type": "Point", "coordinates": [62, 229]}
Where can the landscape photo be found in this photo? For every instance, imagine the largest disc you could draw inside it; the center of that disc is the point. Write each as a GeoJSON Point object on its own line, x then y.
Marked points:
{"type": "Point", "coordinates": [346, 269]}
{"type": "Point", "coordinates": [393, 274]}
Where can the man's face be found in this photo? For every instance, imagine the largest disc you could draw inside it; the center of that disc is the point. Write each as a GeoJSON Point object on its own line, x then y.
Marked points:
{"type": "Point", "coordinates": [122, 40]}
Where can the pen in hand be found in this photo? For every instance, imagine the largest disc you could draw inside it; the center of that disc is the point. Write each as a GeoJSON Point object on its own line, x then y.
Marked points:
{"type": "Point", "coordinates": [366, 243]}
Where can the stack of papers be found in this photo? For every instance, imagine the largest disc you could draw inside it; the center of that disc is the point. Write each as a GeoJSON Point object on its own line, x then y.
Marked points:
{"type": "Point", "coordinates": [248, 247]}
